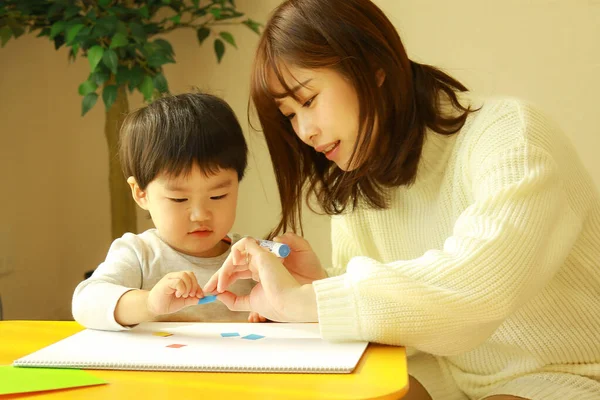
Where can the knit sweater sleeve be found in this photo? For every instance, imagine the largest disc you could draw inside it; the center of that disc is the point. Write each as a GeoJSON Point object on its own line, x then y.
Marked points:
{"type": "Point", "coordinates": [95, 299]}
{"type": "Point", "coordinates": [342, 248]}
{"type": "Point", "coordinates": [503, 250]}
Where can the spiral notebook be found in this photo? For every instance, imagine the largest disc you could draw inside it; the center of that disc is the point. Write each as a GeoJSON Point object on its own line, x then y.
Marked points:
{"type": "Point", "coordinates": [214, 347]}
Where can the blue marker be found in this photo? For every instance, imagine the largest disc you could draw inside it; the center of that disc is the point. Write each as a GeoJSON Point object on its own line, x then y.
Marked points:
{"type": "Point", "coordinates": [207, 299]}
{"type": "Point", "coordinates": [279, 249]}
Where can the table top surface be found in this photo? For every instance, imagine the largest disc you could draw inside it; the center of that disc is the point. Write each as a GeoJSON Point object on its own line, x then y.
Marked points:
{"type": "Point", "coordinates": [380, 374]}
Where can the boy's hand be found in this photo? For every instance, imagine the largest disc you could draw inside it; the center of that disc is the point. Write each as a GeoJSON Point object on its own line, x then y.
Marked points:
{"type": "Point", "coordinates": [256, 317]}
{"type": "Point", "coordinates": [173, 292]}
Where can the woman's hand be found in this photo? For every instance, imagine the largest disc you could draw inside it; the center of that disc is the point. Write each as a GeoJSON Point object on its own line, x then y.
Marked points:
{"type": "Point", "coordinates": [277, 296]}
{"type": "Point", "coordinates": [303, 263]}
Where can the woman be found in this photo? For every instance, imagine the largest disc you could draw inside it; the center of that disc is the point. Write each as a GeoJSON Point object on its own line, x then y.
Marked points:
{"type": "Point", "coordinates": [464, 229]}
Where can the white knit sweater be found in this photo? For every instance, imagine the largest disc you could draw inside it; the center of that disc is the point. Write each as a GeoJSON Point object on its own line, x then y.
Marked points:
{"type": "Point", "coordinates": [490, 261]}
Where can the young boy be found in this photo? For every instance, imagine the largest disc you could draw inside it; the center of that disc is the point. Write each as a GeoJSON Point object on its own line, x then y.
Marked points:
{"type": "Point", "coordinates": [183, 157]}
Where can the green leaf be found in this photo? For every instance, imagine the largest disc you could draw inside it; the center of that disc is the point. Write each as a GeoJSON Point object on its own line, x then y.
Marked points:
{"type": "Point", "coordinates": [5, 34]}
{"type": "Point", "coordinates": [144, 11]}
{"type": "Point", "coordinates": [111, 60]}
{"type": "Point", "coordinates": [176, 19]}
{"type": "Point", "coordinates": [106, 26]}
{"type": "Point", "coordinates": [229, 13]}
{"type": "Point", "coordinates": [228, 37]}
{"type": "Point", "coordinates": [216, 12]}
{"type": "Point", "coordinates": [123, 75]}
{"type": "Point", "coordinates": [89, 100]}
{"type": "Point", "coordinates": [122, 28]}
{"type": "Point", "coordinates": [92, 15]}
{"type": "Point", "coordinates": [147, 88]}
{"type": "Point", "coordinates": [57, 28]}
{"type": "Point", "coordinates": [43, 32]}
{"type": "Point", "coordinates": [104, 3]}
{"type": "Point", "coordinates": [85, 32]}
{"type": "Point", "coordinates": [15, 26]}
{"type": "Point", "coordinates": [155, 56]}
{"type": "Point", "coordinates": [196, 3]}
{"type": "Point", "coordinates": [58, 41]}
{"type": "Point", "coordinates": [70, 12]}
{"type": "Point", "coordinates": [73, 31]}
{"type": "Point", "coordinates": [136, 76]}
{"type": "Point", "coordinates": [55, 10]}
{"type": "Point", "coordinates": [219, 49]}
{"type": "Point", "coordinates": [157, 60]}
{"type": "Point", "coordinates": [109, 95]}
{"type": "Point", "coordinates": [160, 83]}
{"type": "Point", "coordinates": [100, 76]}
{"type": "Point", "coordinates": [137, 31]}
{"type": "Point", "coordinates": [164, 46]}
{"type": "Point", "coordinates": [255, 26]}
{"type": "Point", "coordinates": [203, 34]}
{"type": "Point", "coordinates": [119, 40]}
{"type": "Point", "coordinates": [88, 86]}
{"type": "Point", "coordinates": [73, 52]}
{"type": "Point", "coordinates": [94, 56]}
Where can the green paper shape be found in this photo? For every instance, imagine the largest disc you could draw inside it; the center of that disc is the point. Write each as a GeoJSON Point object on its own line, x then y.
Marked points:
{"type": "Point", "coordinates": [24, 380]}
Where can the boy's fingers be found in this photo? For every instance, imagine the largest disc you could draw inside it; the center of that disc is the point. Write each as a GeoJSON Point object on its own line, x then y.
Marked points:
{"type": "Point", "coordinates": [190, 279]}
{"type": "Point", "coordinates": [195, 286]}
{"type": "Point", "coordinates": [187, 284]}
{"type": "Point", "coordinates": [179, 288]}
{"type": "Point", "coordinates": [190, 301]}
{"type": "Point", "coordinates": [233, 302]}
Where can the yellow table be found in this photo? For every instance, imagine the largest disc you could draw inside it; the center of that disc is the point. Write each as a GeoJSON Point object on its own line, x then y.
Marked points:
{"type": "Point", "coordinates": [380, 374]}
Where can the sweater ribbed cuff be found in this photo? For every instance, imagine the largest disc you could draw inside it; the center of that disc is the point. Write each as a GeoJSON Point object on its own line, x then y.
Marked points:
{"type": "Point", "coordinates": [338, 312]}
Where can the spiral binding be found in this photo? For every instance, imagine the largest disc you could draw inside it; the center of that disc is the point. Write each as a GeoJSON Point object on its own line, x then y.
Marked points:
{"type": "Point", "coordinates": [188, 368]}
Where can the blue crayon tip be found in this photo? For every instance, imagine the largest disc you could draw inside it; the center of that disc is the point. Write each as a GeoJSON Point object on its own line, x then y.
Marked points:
{"type": "Point", "coordinates": [207, 299]}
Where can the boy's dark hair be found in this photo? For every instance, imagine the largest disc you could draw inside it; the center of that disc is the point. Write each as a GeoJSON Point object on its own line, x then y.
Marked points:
{"type": "Point", "coordinates": [174, 132]}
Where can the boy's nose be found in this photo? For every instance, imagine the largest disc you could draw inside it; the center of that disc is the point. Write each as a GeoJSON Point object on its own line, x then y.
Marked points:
{"type": "Point", "coordinates": [200, 214]}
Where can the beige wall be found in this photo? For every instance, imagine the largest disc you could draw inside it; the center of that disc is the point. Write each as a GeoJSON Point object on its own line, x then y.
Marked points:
{"type": "Point", "coordinates": [54, 221]}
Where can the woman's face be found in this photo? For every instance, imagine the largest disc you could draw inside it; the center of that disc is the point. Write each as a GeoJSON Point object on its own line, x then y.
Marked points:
{"type": "Point", "coordinates": [326, 115]}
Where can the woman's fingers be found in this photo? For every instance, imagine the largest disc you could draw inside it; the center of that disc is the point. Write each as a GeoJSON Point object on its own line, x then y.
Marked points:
{"type": "Point", "coordinates": [239, 257]}
{"type": "Point", "coordinates": [211, 285]}
{"type": "Point", "coordinates": [233, 302]}
{"type": "Point", "coordinates": [235, 262]}
{"type": "Point", "coordinates": [222, 273]}
{"type": "Point", "coordinates": [296, 243]}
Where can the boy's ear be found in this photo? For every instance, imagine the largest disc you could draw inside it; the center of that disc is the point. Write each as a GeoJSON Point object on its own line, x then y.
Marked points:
{"type": "Point", "coordinates": [137, 193]}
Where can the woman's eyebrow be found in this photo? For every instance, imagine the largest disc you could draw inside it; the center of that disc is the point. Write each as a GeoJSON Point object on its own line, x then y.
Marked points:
{"type": "Point", "coordinates": [296, 88]}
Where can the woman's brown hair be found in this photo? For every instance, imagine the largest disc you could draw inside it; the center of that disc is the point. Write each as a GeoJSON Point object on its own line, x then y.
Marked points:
{"type": "Point", "coordinates": [356, 39]}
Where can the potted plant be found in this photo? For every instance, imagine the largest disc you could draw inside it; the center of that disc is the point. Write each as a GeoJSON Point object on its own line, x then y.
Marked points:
{"type": "Point", "coordinates": [124, 43]}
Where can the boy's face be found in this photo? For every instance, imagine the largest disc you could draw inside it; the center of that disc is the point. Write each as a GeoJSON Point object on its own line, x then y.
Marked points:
{"type": "Point", "coordinates": [192, 212]}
